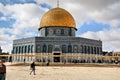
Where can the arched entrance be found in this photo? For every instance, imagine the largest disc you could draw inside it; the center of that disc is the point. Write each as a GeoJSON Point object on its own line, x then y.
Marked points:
{"type": "Point", "coordinates": [56, 57]}
{"type": "Point", "coordinates": [56, 54]}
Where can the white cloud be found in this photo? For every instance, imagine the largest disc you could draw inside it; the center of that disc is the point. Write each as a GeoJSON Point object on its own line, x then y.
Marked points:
{"type": "Point", "coordinates": [3, 18]}
{"type": "Point", "coordinates": [26, 16]}
{"type": "Point", "coordinates": [27, 19]}
{"type": "Point", "coordinates": [6, 40]}
{"type": "Point", "coordinates": [110, 38]}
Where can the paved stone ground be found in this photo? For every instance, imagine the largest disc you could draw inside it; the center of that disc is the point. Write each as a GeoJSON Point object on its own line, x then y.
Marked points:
{"type": "Point", "coordinates": [63, 73]}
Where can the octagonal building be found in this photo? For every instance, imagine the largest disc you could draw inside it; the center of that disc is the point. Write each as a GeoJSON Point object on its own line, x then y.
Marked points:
{"type": "Point", "coordinates": [57, 41]}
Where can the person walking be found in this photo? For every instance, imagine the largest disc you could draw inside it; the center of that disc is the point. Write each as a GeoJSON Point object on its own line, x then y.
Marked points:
{"type": "Point", "coordinates": [2, 71]}
{"type": "Point", "coordinates": [24, 60]}
{"type": "Point", "coordinates": [32, 67]}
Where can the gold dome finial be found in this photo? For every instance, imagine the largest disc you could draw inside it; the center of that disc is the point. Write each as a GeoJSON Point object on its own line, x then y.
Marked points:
{"type": "Point", "coordinates": [57, 3]}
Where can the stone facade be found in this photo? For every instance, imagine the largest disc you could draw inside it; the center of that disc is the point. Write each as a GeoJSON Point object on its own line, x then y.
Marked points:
{"type": "Point", "coordinates": [66, 45]}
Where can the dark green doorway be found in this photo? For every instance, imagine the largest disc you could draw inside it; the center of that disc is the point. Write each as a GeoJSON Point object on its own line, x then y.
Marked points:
{"type": "Point", "coordinates": [57, 59]}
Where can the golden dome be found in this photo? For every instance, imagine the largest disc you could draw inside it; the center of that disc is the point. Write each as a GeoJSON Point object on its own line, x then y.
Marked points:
{"type": "Point", "coordinates": [57, 17]}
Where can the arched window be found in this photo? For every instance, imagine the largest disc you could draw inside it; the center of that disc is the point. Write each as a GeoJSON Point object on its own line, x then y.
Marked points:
{"type": "Point", "coordinates": [22, 49]}
{"type": "Point", "coordinates": [75, 48]}
{"type": "Point", "coordinates": [94, 50]}
{"type": "Point", "coordinates": [91, 49]}
{"type": "Point", "coordinates": [54, 31]}
{"type": "Point", "coordinates": [97, 50]}
{"type": "Point", "coordinates": [25, 49]}
{"type": "Point", "coordinates": [69, 49]}
{"type": "Point", "coordinates": [63, 48]}
{"type": "Point", "coordinates": [44, 48]}
{"type": "Point", "coordinates": [19, 50]}
{"type": "Point", "coordinates": [38, 48]}
{"type": "Point", "coordinates": [82, 49]}
{"type": "Point", "coordinates": [70, 32]}
{"type": "Point", "coordinates": [88, 49]}
{"type": "Point", "coordinates": [85, 49]}
{"type": "Point", "coordinates": [50, 47]}
{"type": "Point", "coordinates": [13, 50]}
{"type": "Point", "coordinates": [100, 50]}
{"type": "Point", "coordinates": [62, 31]}
{"type": "Point", "coordinates": [16, 49]}
{"type": "Point", "coordinates": [29, 49]}
{"type": "Point", "coordinates": [47, 31]}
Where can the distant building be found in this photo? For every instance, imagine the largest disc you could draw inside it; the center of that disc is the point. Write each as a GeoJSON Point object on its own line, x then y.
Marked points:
{"type": "Point", "coordinates": [57, 41]}
{"type": "Point", "coordinates": [116, 53]}
{"type": "Point", "coordinates": [3, 55]}
{"type": "Point", "coordinates": [0, 50]}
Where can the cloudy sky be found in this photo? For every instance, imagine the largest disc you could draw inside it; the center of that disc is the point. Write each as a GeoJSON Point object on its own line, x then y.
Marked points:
{"type": "Point", "coordinates": [95, 19]}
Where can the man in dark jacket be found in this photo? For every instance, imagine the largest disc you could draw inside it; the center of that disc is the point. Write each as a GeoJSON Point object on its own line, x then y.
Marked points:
{"type": "Point", "coordinates": [32, 66]}
{"type": "Point", "coordinates": [2, 70]}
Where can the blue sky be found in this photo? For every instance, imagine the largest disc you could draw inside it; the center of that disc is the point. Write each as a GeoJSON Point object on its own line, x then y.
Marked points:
{"type": "Point", "coordinates": [95, 19]}
{"type": "Point", "coordinates": [92, 26]}
{"type": "Point", "coordinates": [11, 2]}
